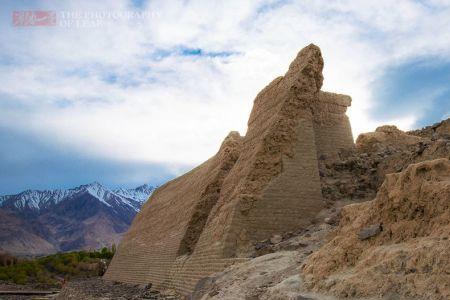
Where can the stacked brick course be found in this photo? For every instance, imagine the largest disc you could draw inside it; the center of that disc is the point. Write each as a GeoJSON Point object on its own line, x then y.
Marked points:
{"type": "Point", "coordinates": [262, 184]}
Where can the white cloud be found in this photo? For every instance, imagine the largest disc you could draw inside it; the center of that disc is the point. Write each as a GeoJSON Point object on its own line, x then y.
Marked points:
{"type": "Point", "coordinates": [177, 109]}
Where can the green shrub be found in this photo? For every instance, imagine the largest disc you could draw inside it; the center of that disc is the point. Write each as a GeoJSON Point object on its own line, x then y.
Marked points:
{"type": "Point", "coordinates": [20, 277]}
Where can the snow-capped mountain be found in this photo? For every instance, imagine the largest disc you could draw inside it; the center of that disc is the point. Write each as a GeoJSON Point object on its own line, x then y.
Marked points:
{"type": "Point", "coordinates": [38, 200]}
{"type": "Point", "coordinates": [141, 193]}
{"type": "Point", "coordinates": [33, 199]}
{"type": "Point", "coordinates": [86, 217]}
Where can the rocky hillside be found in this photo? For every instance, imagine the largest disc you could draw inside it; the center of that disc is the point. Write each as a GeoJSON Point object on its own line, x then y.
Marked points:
{"type": "Point", "coordinates": [86, 217]}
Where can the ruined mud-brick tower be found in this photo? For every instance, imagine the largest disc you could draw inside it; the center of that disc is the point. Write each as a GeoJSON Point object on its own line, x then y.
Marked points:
{"type": "Point", "coordinates": [262, 184]}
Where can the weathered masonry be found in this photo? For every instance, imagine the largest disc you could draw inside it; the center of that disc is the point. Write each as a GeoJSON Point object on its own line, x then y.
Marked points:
{"type": "Point", "coordinates": [264, 183]}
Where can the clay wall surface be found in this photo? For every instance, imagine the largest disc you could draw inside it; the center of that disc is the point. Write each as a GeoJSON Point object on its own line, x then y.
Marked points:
{"type": "Point", "coordinates": [290, 200]}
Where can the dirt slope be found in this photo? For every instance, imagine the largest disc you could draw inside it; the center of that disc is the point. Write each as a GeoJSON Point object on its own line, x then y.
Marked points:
{"type": "Point", "coordinates": [398, 244]}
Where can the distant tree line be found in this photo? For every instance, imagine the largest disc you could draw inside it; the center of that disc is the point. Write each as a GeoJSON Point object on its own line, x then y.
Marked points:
{"type": "Point", "coordinates": [51, 270]}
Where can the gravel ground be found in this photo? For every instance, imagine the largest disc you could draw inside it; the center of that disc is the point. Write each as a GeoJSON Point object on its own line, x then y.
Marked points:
{"type": "Point", "coordinates": [96, 288]}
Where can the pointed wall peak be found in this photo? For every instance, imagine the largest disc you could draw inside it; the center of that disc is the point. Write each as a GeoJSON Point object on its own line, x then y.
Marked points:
{"type": "Point", "coordinates": [307, 65]}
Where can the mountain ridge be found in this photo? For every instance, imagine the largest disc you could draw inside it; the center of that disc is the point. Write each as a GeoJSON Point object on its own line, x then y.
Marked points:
{"type": "Point", "coordinates": [90, 216]}
{"type": "Point", "coordinates": [40, 199]}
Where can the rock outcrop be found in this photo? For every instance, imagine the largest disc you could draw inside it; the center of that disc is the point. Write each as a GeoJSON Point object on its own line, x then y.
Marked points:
{"type": "Point", "coordinates": [404, 252]}
{"type": "Point", "coordinates": [385, 137]}
{"type": "Point", "coordinates": [357, 175]}
{"type": "Point", "coordinates": [263, 184]}
{"type": "Point", "coordinates": [436, 131]}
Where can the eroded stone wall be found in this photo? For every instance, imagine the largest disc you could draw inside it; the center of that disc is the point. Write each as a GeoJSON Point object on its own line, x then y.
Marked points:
{"type": "Point", "coordinates": [265, 183]}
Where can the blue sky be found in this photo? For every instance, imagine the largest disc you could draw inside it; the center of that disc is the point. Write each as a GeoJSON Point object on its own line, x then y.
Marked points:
{"type": "Point", "coordinates": [33, 163]}
{"type": "Point", "coordinates": [130, 92]}
{"type": "Point", "coordinates": [419, 87]}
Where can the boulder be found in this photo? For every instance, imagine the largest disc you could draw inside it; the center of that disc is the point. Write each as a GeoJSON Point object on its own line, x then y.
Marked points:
{"type": "Point", "coordinates": [370, 231]}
